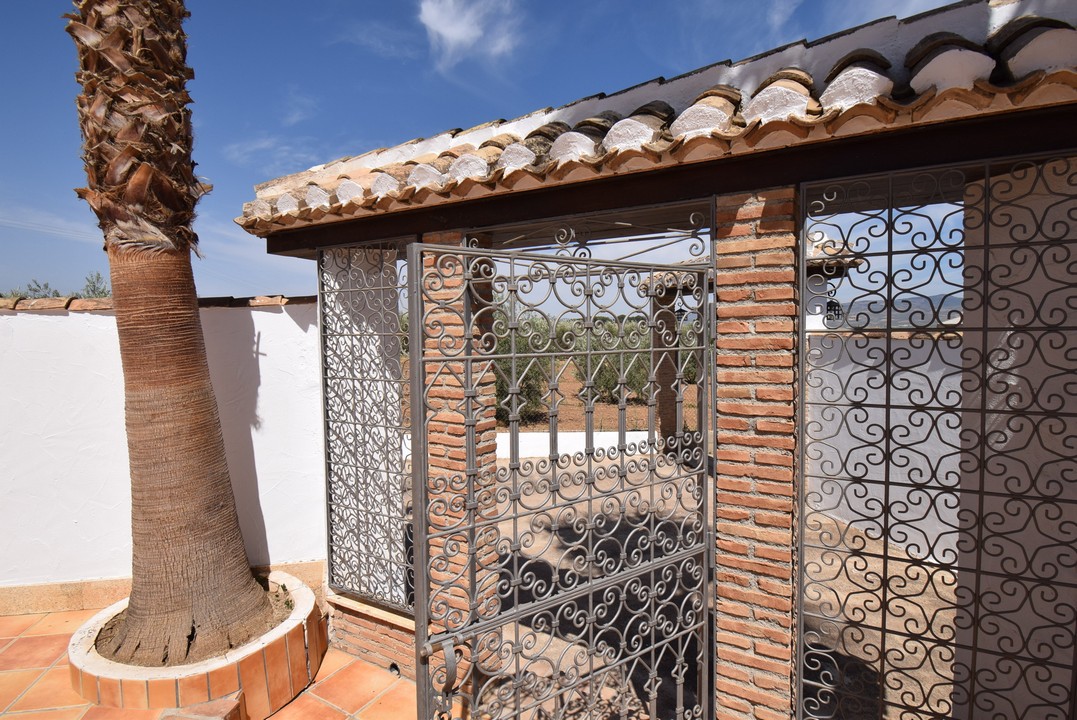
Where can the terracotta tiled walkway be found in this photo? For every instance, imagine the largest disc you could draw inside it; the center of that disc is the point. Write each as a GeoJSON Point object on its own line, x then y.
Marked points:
{"type": "Point", "coordinates": [34, 681]}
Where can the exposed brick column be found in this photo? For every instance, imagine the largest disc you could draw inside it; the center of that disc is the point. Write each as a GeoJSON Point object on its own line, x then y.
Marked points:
{"type": "Point", "coordinates": [462, 563]}
{"type": "Point", "coordinates": [756, 385]}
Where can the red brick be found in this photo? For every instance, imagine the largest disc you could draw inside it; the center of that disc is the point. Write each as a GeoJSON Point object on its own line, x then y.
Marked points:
{"type": "Point", "coordinates": [733, 455]}
{"type": "Point", "coordinates": [775, 651]}
{"type": "Point", "coordinates": [752, 597]}
{"type": "Point", "coordinates": [757, 310]}
{"type": "Point", "coordinates": [775, 426]}
{"type": "Point", "coordinates": [755, 471]}
{"type": "Point", "coordinates": [732, 326]}
{"type": "Point", "coordinates": [772, 259]}
{"type": "Point", "coordinates": [784, 360]}
{"type": "Point", "coordinates": [768, 441]}
{"type": "Point", "coordinates": [753, 661]}
{"type": "Point", "coordinates": [735, 247]}
{"type": "Point", "coordinates": [755, 376]}
{"type": "Point", "coordinates": [735, 391]}
{"type": "Point", "coordinates": [761, 568]}
{"type": "Point", "coordinates": [726, 513]}
{"type": "Point", "coordinates": [734, 640]}
{"type": "Point", "coordinates": [756, 343]}
{"type": "Point", "coordinates": [733, 424]}
{"type": "Point", "coordinates": [750, 694]}
{"type": "Point", "coordinates": [735, 230]}
{"type": "Point", "coordinates": [735, 548]}
{"type": "Point", "coordinates": [726, 360]}
{"type": "Point", "coordinates": [734, 485]}
{"type": "Point", "coordinates": [754, 501]}
{"type": "Point", "coordinates": [775, 587]}
{"type": "Point", "coordinates": [730, 296]}
{"type": "Point", "coordinates": [777, 537]}
{"type": "Point", "coordinates": [776, 224]}
{"type": "Point", "coordinates": [774, 207]}
{"type": "Point", "coordinates": [756, 409]}
{"type": "Point", "coordinates": [736, 261]}
{"type": "Point", "coordinates": [774, 459]}
{"type": "Point", "coordinates": [735, 578]}
{"type": "Point", "coordinates": [725, 202]}
{"type": "Point", "coordinates": [755, 629]}
{"type": "Point", "coordinates": [770, 326]}
{"type": "Point", "coordinates": [754, 277]}
{"type": "Point", "coordinates": [773, 519]}
{"type": "Point", "coordinates": [782, 555]}
{"type": "Point", "coordinates": [780, 393]}
{"type": "Point", "coordinates": [778, 293]}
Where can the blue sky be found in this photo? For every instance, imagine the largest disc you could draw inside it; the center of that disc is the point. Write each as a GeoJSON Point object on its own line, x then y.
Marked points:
{"type": "Point", "coordinates": [280, 86]}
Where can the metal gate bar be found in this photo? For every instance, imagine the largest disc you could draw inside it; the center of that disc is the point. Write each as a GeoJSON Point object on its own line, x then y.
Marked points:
{"type": "Point", "coordinates": [552, 580]}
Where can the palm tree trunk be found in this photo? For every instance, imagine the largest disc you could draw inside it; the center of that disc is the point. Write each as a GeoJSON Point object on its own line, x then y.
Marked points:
{"type": "Point", "coordinates": [192, 592]}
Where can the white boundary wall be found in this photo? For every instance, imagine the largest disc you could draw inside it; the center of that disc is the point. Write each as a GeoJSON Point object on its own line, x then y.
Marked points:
{"type": "Point", "coordinates": [64, 482]}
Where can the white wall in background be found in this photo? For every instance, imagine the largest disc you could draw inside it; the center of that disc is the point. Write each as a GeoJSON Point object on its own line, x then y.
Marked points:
{"type": "Point", "coordinates": [64, 482]}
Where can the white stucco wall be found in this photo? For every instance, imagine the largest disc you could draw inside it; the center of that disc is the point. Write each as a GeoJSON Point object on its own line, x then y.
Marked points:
{"type": "Point", "coordinates": [64, 484]}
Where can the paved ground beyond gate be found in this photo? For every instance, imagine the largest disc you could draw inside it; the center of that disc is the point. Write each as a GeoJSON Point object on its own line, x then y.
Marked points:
{"type": "Point", "coordinates": [34, 681]}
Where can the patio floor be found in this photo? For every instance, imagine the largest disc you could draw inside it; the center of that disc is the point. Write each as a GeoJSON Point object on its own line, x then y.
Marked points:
{"type": "Point", "coordinates": [34, 682]}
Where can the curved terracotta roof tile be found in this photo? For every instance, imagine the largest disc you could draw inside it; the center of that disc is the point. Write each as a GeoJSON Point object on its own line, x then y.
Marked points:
{"type": "Point", "coordinates": [888, 74]}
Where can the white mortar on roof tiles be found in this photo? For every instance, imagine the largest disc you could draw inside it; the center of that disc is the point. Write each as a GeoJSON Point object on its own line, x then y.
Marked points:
{"type": "Point", "coordinates": [469, 166]}
{"type": "Point", "coordinates": [426, 176]}
{"type": "Point", "coordinates": [629, 134]}
{"type": "Point", "coordinates": [349, 189]}
{"type": "Point", "coordinates": [856, 85]}
{"type": "Point", "coordinates": [516, 155]}
{"type": "Point", "coordinates": [1049, 49]}
{"type": "Point", "coordinates": [954, 68]}
{"type": "Point", "coordinates": [384, 184]}
{"type": "Point", "coordinates": [572, 146]}
{"type": "Point", "coordinates": [316, 197]}
{"type": "Point", "coordinates": [286, 204]}
{"type": "Point", "coordinates": [699, 119]}
{"type": "Point", "coordinates": [776, 103]}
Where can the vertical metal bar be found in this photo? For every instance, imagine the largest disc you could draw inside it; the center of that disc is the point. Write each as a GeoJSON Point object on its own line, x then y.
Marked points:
{"type": "Point", "coordinates": [799, 418]}
{"type": "Point", "coordinates": [424, 688]}
{"type": "Point", "coordinates": [709, 491]}
{"type": "Point", "coordinates": [326, 439]}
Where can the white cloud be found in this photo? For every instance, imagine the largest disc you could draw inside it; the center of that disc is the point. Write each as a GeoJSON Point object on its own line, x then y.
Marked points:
{"type": "Point", "coordinates": [297, 107]}
{"type": "Point", "coordinates": [40, 221]}
{"type": "Point", "coordinates": [459, 28]}
{"type": "Point", "coordinates": [274, 154]}
{"type": "Point", "coordinates": [383, 39]}
{"type": "Point", "coordinates": [779, 12]}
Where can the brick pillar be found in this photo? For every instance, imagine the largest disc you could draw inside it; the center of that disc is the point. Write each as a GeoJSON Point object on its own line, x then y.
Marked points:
{"type": "Point", "coordinates": [756, 336]}
{"type": "Point", "coordinates": [459, 408]}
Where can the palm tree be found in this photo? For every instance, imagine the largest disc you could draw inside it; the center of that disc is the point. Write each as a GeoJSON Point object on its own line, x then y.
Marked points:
{"type": "Point", "coordinates": [192, 594]}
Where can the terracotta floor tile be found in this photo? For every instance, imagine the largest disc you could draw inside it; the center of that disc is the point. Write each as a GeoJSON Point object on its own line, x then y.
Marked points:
{"type": "Point", "coordinates": [334, 660]}
{"type": "Point", "coordinates": [106, 713]}
{"type": "Point", "coordinates": [354, 686]}
{"type": "Point", "coordinates": [396, 703]}
{"type": "Point", "coordinates": [39, 651]}
{"type": "Point", "coordinates": [58, 623]}
{"type": "Point", "coordinates": [12, 684]}
{"type": "Point", "coordinates": [12, 625]}
{"type": "Point", "coordinates": [307, 707]}
{"type": "Point", "coordinates": [52, 690]}
{"type": "Point", "coordinates": [64, 714]}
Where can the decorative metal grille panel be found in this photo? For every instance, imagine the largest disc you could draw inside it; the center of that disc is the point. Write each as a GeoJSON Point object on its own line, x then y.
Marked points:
{"type": "Point", "coordinates": [367, 423]}
{"type": "Point", "coordinates": [939, 434]}
{"type": "Point", "coordinates": [561, 554]}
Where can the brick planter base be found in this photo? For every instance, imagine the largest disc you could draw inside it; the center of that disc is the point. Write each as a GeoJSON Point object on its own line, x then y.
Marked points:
{"type": "Point", "coordinates": [267, 672]}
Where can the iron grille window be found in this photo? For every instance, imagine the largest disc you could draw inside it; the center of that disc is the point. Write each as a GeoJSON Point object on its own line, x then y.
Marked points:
{"type": "Point", "coordinates": [367, 422]}
{"type": "Point", "coordinates": [939, 484]}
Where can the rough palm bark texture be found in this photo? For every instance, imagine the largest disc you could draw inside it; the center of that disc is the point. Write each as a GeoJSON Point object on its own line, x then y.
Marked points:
{"type": "Point", "coordinates": [193, 595]}
{"type": "Point", "coordinates": [756, 287]}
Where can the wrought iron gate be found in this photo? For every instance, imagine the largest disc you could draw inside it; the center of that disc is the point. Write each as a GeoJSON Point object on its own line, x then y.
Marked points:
{"type": "Point", "coordinates": [939, 500]}
{"type": "Point", "coordinates": [560, 407]}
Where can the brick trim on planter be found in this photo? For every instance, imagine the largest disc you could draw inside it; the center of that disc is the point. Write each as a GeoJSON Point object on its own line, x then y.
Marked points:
{"type": "Point", "coordinates": [756, 287]}
{"type": "Point", "coordinates": [269, 671]}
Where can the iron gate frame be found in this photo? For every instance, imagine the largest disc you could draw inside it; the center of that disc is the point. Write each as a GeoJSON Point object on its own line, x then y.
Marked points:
{"type": "Point", "coordinates": [992, 167]}
{"type": "Point", "coordinates": [427, 643]}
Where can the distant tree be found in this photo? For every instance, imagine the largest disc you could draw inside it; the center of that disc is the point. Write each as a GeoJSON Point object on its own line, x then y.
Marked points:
{"type": "Point", "coordinates": [95, 287]}
{"type": "Point", "coordinates": [33, 291]}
